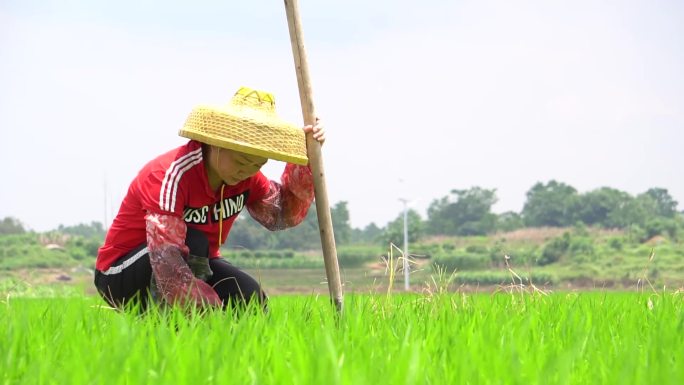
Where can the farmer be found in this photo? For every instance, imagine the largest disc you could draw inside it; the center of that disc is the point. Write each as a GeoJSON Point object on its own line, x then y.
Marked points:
{"type": "Point", "coordinates": [164, 242]}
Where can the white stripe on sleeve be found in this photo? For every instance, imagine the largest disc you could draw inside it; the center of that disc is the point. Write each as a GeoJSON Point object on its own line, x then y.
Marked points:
{"type": "Point", "coordinates": [177, 181]}
{"type": "Point", "coordinates": [165, 190]}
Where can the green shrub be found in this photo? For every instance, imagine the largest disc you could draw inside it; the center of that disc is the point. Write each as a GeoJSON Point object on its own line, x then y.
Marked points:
{"type": "Point", "coordinates": [35, 256]}
{"type": "Point", "coordinates": [13, 251]}
{"type": "Point", "coordinates": [462, 262]}
{"type": "Point", "coordinates": [519, 257]}
{"type": "Point", "coordinates": [92, 247]}
{"type": "Point", "coordinates": [278, 263]}
{"type": "Point", "coordinates": [581, 246]}
{"type": "Point", "coordinates": [555, 249]}
{"type": "Point", "coordinates": [580, 229]}
{"type": "Point", "coordinates": [78, 254]}
{"type": "Point", "coordinates": [477, 249]}
{"type": "Point", "coordinates": [353, 256]}
{"type": "Point", "coordinates": [274, 254]}
{"type": "Point", "coordinates": [503, 278]}
{"type": "Point", "coordinates": [637, 234]}
{"type": "Point", "coordinates": [431, 250]}
{"type": "Point", "coordinates": [616, 243]}
{"type": "Point", "coordinates": [661, 226]}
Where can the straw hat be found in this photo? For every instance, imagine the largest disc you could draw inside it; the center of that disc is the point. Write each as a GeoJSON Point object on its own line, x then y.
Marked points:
{"type": "Point", "coordinates": [248, 124]}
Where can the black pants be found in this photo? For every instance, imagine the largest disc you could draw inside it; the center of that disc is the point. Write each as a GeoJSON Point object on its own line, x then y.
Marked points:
{"type": "Point", "coordinates": [127, 281]}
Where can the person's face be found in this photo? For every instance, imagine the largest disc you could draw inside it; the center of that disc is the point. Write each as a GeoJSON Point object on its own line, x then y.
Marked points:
{"type": "Point", "coordinates": [233, 167]}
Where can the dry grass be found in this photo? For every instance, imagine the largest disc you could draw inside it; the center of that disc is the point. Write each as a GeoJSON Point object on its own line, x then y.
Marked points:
{"type": "Point", "coordinates": [518, 284]}
{"type": "Point", "coordinates": [644, 275]}
{"type": "Point", "coordinates": [536, 235]}
{"type": "Point", "coordinates": [543, 234]}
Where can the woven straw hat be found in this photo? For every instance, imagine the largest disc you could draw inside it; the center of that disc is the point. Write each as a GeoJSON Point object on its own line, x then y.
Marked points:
{"type": "Point", "coordinates": [248, 124]}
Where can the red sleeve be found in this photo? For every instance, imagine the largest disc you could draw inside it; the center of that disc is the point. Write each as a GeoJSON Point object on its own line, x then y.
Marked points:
{"type": "Point", "coordinates": [175, 281]}
{"type": "Point", "coordinates": [161, 194]}
{"type": "Point", "coordinates": [281, 205]}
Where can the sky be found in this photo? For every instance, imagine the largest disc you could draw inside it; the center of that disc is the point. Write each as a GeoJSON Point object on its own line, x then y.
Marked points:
{"type": "Point", "coordinates": [417, 100]}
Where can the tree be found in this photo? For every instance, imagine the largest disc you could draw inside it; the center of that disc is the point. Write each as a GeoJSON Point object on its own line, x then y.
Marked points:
{"type": "Point", "coordinates": [92, 230]}
{"type": "Point", "coordinates": [633, 212]}
{"type": "Point", "coordinates": [509, 221]}
{"type": "Point", "coordinates": [340, 221]}
{"type": "Point", "coordinates": [438, 221]}
{"type": "Point", "coordinates": [666, 206]}
{"type": "Point", "coordinates": [662, 226]}
{"type": "Point", "coordinates": [597, 206]}
{"type": "Point", "coordinates": [304, 236]}
{"type": "Point", "coordinates": [11, 225]}
{"type": "Point", "coordinates": [465, 212]}
{"type": "Point", "coordinates": [550, 204]}
{"type": "Point", "coordinates": [370, 234]}
{"type": "Point", "coordinates": [394, 232]}
{"type": "Point", "coordinates": [247, 233]}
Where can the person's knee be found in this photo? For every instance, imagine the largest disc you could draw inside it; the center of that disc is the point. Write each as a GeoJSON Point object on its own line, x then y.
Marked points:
{"type": "Point", "coordinates": [245, 298]}
{"type": "Point", "coordinates": [258, 296]}
{"type": "Point", "coordinates": [235, 287]}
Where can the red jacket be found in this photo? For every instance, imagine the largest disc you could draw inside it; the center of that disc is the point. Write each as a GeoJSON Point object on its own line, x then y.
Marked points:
{"type": "Point", "coordinates": [176, 183]}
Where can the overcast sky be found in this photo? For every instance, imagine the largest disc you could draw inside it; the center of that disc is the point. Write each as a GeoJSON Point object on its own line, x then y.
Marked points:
{"type": "Point", "coordinates": [418, 98]}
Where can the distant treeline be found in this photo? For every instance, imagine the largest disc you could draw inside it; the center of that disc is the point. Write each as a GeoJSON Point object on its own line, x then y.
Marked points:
{"type": "Point", "coordinates": [459, 213]}
{"type": "Point", "coordinates": [468, 212]}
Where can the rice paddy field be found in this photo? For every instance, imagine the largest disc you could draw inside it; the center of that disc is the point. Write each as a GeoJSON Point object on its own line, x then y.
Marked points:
{"type": "Point", "coordinates": [432, 338]}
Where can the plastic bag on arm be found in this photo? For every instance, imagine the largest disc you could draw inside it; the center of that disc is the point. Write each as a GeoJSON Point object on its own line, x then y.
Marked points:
{"type": "Point", "coordinates": [173, 279]}
{"type": "Point", "coordinates": [287, 202]}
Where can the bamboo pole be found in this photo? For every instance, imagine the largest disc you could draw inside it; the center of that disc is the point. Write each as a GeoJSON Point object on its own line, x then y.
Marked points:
{"type": "Point", "coordinates": [332, 268]}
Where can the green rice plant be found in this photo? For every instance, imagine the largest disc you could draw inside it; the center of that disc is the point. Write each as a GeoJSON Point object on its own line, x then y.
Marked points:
{"type": "Point", "coordinates": [13, 287]}
{"type": "Point", "coordinates": [453, 338]}
{"type": "Point", "coordinates": [441, 281]}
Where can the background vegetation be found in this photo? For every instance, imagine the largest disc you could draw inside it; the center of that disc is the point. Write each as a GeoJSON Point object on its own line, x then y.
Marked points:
{"type": "Point", "coordinates": [603, 236]}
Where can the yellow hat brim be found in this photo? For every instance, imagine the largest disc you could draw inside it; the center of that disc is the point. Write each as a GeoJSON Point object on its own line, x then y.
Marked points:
{"type": "Point", "coordinates": [247, 130]}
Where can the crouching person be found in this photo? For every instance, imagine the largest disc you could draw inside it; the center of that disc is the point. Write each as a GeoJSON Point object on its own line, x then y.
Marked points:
{"type": "Point", "coordinates": [165, 241]}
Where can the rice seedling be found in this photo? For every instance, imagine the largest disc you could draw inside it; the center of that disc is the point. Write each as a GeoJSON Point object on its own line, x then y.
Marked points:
{"type": "Point", "coordinates": [452, 338]}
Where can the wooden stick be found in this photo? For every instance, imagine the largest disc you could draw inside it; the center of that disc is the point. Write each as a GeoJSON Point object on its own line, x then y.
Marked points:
{"type": "Point", "coordinates": [332, 268]}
